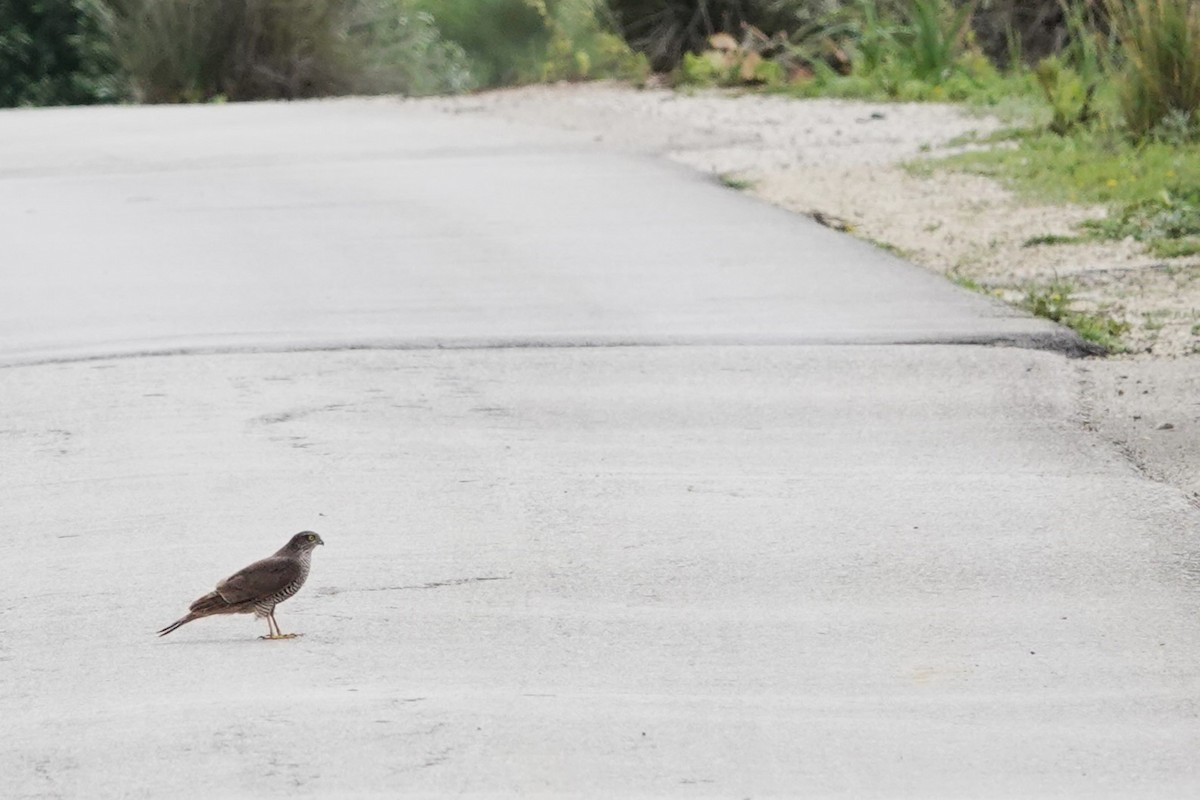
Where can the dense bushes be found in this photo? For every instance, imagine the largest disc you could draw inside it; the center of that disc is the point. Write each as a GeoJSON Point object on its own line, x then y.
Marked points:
{"type": "Point", "coordinates": [1159, 65]}
{"type": "Point", "coordinates": [520, 41]}
{"type": "Point", "coordinates": [81, 51]}
{"type": "Point", "coordinates": [186, 51]}
{"type": "Point", "coordinates": [944, 49]}
{"type": "Point", "coordinates": [54, 52]}
{"type": "Point", "coordinates": [78, 51]}
{"type": "Point", "coordinates": [666, 29]}
{"type": "Point", "coordinates": [504, 38]}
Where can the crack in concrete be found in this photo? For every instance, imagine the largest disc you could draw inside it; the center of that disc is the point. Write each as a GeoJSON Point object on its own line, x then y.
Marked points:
{"type": "Point", "coordinates": [325, 591]}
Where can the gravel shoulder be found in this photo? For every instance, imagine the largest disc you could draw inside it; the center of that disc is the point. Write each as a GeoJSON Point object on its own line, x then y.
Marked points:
{"type": "Point", "coordinates": [843, 162]}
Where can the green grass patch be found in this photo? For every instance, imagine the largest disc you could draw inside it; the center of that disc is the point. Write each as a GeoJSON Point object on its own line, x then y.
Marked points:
{"type": "Point", "coordinates": [970, 80]}
{"type": "Point", "coordinates": [1169, 222]}
{"type": "Point", "coordinates": [1178, 248]}
{"type": "Point", "coordinates": [1152, 188]}
{"type": "Point", "coordinates": [1089, 167]}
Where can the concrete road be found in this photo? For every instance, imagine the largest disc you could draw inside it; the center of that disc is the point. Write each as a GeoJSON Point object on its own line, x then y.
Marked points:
{"type": "Point", "coordinates": [754, 541]}
{"type": "Point", "coordinates": [317, 225]}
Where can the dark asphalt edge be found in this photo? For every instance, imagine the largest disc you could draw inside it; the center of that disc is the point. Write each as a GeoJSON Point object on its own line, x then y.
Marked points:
{"type": "Point", "coordinates": [1060, 340]}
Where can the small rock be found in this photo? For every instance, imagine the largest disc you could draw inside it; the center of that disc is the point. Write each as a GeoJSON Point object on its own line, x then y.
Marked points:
{"type": "Point", "coordinates": [1165, 426]}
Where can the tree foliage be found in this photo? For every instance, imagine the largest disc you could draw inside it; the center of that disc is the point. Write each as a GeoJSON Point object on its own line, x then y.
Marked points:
{"type": "Point", "coordinates": [55, 52]}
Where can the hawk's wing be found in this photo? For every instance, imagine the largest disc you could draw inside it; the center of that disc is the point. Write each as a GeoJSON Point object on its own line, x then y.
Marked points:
{"type": "Point", "coordinates": [259, 580]}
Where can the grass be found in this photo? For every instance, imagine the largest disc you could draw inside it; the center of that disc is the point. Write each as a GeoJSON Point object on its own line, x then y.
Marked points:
{"type": "Point", "coordinates": [735, 181]}
{"type": "Point", "coordinates": [1050, 239]}
{"type": "Point", "coordinates": [1169, 222]}
{"type": "Point", "coordinates": [1056, 302]}
{"type": "Point", "coordinates": [1152, 188]}
{"type": "Point", "coordinates": [888, 247]}
{"type": "Point", "coordinates": [958, 279]}
{"type": "Point", "coordinates": [1089, 167]}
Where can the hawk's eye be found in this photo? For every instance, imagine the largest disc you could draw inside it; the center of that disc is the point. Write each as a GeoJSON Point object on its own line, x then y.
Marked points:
{"type": "Point", "coordinates": [312, 538]}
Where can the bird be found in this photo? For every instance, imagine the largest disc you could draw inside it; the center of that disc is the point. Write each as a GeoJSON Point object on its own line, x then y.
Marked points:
{"type": "Point", "coordinates": [258, 588]}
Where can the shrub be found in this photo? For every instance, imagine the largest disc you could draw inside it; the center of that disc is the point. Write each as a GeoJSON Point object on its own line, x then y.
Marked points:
{"type": "Point", "coordinates": [666, 29]}
{"type": "Point", "coordinates": [1160, 46]}
{"type": "Point", "coordinates": [755, 60]}
{"type": "Point", "coordinates": [54, 52]}
{"type": "Point", "coordinates": [583, 43]}
{"type": "Point", "coordinates": [1016, 32]}
{"type": "Point", "coordinates": [519, 41]}
{"type": "Point", "coordinates": [187, 51]}
{"type": "Point", "coordinates": [914, 50]}
{"type": "Point", "coordinates": [1069, 96]}
{"type": "Point", "coordinates": [505, 40]}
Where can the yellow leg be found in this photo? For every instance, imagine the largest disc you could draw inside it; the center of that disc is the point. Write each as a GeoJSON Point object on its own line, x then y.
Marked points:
{"type": "Point", "coordinates": [273, 631]}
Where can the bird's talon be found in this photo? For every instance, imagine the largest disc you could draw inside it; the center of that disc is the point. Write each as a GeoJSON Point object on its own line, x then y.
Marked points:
{"type": "Point", "coordinates": [282, 636]}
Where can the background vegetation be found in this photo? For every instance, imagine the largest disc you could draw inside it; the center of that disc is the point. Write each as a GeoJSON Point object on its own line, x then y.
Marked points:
{"type": "Point", "coordinates": [54, 52]}
{"type": "Point", "coordinates": [1128, 63]}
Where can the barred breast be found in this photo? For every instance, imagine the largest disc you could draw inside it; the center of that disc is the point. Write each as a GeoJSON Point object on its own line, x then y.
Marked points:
{"type": "Point", "coordinates": [265, 606]}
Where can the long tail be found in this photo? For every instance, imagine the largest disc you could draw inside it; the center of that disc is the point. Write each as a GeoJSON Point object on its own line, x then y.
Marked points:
{"type": "Point", "coordinates": [178, 622]}
{"type": "Point", "coordinates": [211, 603]}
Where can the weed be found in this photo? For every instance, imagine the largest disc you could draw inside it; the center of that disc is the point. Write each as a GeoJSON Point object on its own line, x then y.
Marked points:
{"type": "Point", "coordinates": [1070, 97]}
{"type": "Point", "coordinates": [1052, 302]}
{"type": "Point", "coordinates": [1153, 321]}
{"type": "Point", "coordinates": [1050, 239]}
{"type": "Point", "coordinates": [887, 247]}
{"type": "Point", "coordinates": [735, 181]}
{"type": "Point", "coordinates": [1169, 222]}
{"type": "Point", "coordinates": [967, 282]}
{"type": "Point", "coordinates": [935, 37]}
{"type": "Point", "coordinates": [1055, 301]}
{"type": "Point", "coordinates": [1176, 248]}
{"type": "Point", "coordinates": [1069, 81]}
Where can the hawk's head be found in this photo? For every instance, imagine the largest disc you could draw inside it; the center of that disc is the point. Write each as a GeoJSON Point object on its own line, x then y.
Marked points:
{"type": "Point", "coordinates": [305, 540]}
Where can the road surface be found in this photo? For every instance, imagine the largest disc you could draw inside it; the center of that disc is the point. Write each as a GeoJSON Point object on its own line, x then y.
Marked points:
{"type": "Point", "coordinates": [630, 485]}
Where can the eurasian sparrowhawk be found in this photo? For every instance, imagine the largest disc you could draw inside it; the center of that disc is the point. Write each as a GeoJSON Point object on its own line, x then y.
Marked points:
{"type": "Point", "coordinates": [260, 587]}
